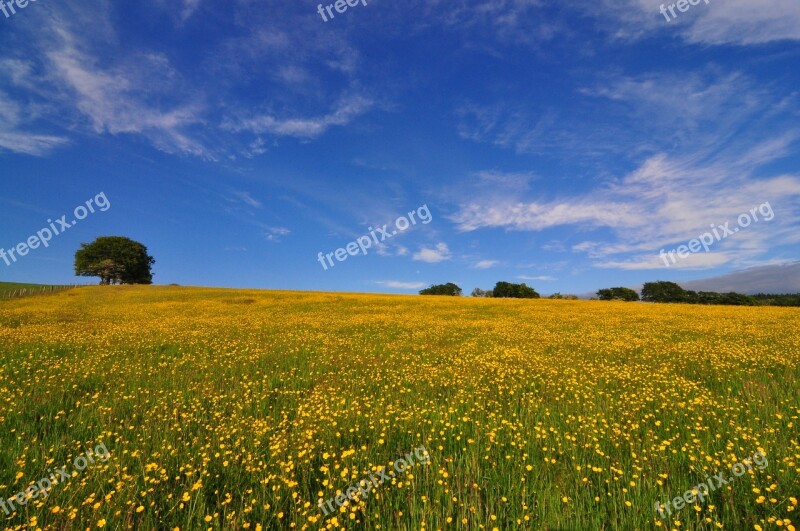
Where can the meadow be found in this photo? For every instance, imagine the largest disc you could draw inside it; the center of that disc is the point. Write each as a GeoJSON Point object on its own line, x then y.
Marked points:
{"type": "Point", "coordinates": [239, 409]}
{"type": "Point", "coordinates": [11, 290]}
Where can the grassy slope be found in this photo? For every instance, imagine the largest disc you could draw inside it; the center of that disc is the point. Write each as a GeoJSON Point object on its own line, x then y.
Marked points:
{"type": "Point", "coordinates": [14, 289]}
{"type": "Point", "coordinates": [242, 407]}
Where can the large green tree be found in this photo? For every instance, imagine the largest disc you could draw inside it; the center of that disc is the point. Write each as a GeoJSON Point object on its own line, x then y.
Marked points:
{"type": "Point", "coordinates": [116, 260]}
{"type": "Point", "coordinates": [663, 292]}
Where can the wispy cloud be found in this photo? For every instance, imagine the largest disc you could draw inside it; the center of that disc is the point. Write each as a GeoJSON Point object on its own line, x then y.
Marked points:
{"type": "Point", "coordinates": [440, 253]}
{"type": "Point", "coordinates": [543, 278]}
{"type": "Point", "coordinates": [346, 111]}
{"type": "Point", "coordinates": [737, 22]}
{"type": "Point", "coordinates": [383, 249]}
{"type": "Point", "coordinates": [247, 199]}
{"type": "Point", "coordinates": [273, 234]}
{"type": "Point", "coordinates": [671, 199]}
{"type": "Point", "coordinates": [486, 264]}
{"type": "Point", "coordinates": [397, 284]}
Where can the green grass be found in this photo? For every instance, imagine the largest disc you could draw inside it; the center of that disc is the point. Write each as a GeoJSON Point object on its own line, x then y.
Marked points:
{"type": "Point", "coordinates": [228, 409]}
{"type": "Point", "coordinates": [13, 290]}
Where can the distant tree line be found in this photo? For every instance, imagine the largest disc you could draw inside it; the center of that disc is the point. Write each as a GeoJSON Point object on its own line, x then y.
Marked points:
{"type": "Point", "coordinates": [651, 292]}
{"type": "Point", "coordinates": [559, 296]}
{"type": "Point", "coordinates": [502, 290]}
{"type": "Point", "coordinates": [671, 292]}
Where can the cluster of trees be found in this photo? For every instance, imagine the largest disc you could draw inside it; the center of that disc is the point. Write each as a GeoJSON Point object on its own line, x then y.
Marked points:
{"type": "Point", "coordinates": [448, 289]}
{"type": "Point", "coordinates": [618, 294]}
{"type": "Point", "coordinates": [501, 290]}
{"type": "Point", "coordinates": [777, 300]}
{"type": "Point", "coordinates": [507, 290]}
{"type": "Point", "coordinates": [559, 296]}
{"type": "Point", "coordinates": [116, 260]}
{"type": "Point", "coordinates": [671, 292]}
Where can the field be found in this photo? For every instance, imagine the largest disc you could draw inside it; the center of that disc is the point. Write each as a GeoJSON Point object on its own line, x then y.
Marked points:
{"type": "Point", "coordinates": [226, 409]}
{"type": "Point", "coordinates": [11, 290]}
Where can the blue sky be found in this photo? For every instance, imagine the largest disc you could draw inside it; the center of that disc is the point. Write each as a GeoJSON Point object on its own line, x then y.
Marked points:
{"type": "Point", "coordinates": [563, 144]}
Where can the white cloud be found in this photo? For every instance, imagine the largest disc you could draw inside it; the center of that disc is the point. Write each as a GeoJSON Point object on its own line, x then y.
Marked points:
{"type": "Point", "coordinates": [247, 199]}
{"type": "Point", "coordinates": [543, 278]}
{"type": "Point", "coordinates": [127, 97]}
{"type": "Point", "coordinates": [15, 117]}
{"type": "Point", "coordinates": [662, 204]}
{"type": "Point", "coordinates": [383, 249]}
{"type": "Point", "coordinates": [725, 129]}
{"type": "Point", "coordinates": [29, 144]}
{"type": "Point", "coordinates": [273, 234]}
{"type": "Point", "coordinates": [486, 264]}
{"type": "Point", "coordinates": [397, 284]}
{"type": "Point", "coordinates": [345, 112]}
{"type": "Point", "coordinates": [440, 253]}
{"type": "Point", "coordinates": [738, 22]}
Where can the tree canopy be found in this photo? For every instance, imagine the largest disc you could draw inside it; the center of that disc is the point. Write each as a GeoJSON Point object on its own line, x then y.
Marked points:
{"type": "Point", "coordinates": [514, 291]}
{"type": "Point", "coordinates": [442, 289]}
{"type": "Point", "coordinates": [663, 292]}
{"type": "Point", "coordinates": [618, 294]}
{"type": "Point", "coordinates": [671, 292]}
{"type": "Point", "coordinates": [116, 260]}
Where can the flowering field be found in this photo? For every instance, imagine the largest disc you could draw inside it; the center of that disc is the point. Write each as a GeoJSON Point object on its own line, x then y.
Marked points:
{"type": "Point", "coordinates": [227, 409]}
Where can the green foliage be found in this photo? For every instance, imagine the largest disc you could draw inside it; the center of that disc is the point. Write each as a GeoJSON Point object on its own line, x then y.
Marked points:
{"type": "Point", "coordinates": [13, 290]}
{"type": "Point", "coordinates": [618, 294]}
{"type": "Point", "coordinates": [671, 292]}
{"type": "Point", "coordinates": [514, 291]}
{"type": "Point", "coordinates": [737, 299]}
{"type": "Point", "coordinates": [116, 260]}
{"type": "Point", "coordinates": [478, 292]}
{"type": "Point", "coordinates": [449, 289]}
{"type": "Point", "coordinates": [663, 292]}
{"type": "Point", "coordinates": [777, 300]}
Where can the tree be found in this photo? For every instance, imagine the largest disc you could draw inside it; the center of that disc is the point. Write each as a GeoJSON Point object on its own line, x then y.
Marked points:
{"type": "Point", "coordinates": [449, 289]}
{"type": "Point", "coordinates": [478, 292]}
{"type": "Point", "coordinates": [115, 259]}
{"type": "Point", "coordinates": [737, 299]}
{"type": "Point", "coordinates": [109, 271]}
{"type": "Point", "coordinates": [514, 291]}
{"type": "Point", "coordinates": [663, 292]}
{"type": "Point", "coordinates": [618, 294]}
